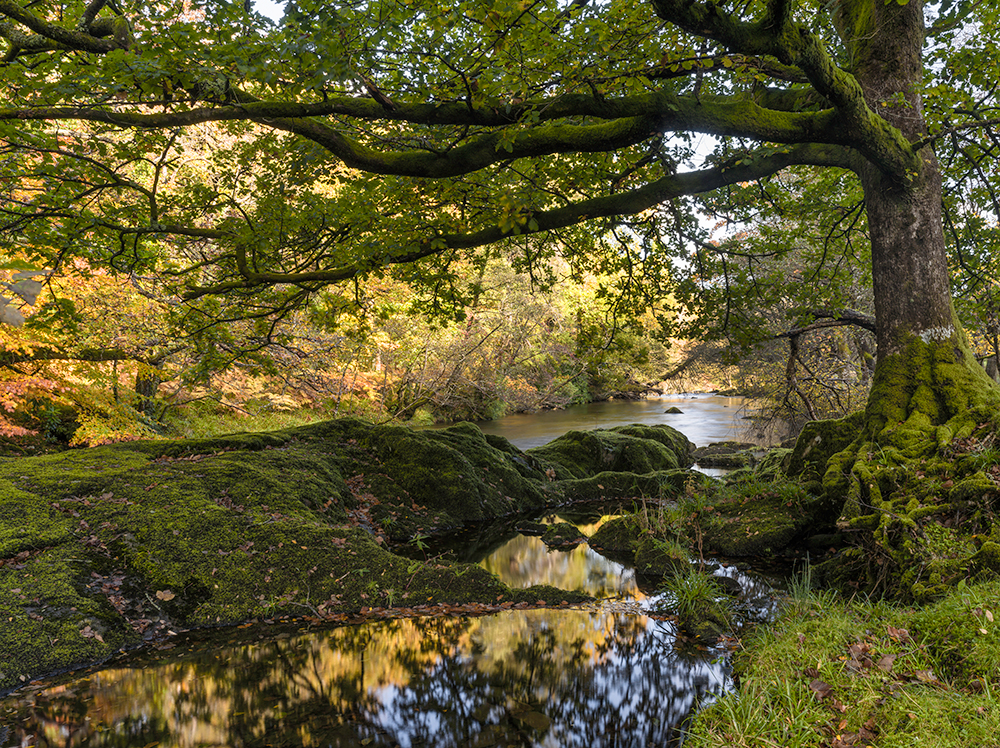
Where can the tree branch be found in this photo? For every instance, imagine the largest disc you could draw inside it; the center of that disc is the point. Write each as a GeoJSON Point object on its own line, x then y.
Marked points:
{"type": "Point", "coordinates": [748, 169]}
{"type": "Point", "coordinates": [78, 40]}
{"type": "Point", "coordinates": [829, 318]}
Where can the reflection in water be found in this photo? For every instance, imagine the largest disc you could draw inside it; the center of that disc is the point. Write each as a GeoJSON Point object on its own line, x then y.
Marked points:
{"type": "Point", "coordinates": [525, 561]}
{"type": "Point", "coordinates": [521, 678]}
{"type": "Point", "coordinates": [704, 419]}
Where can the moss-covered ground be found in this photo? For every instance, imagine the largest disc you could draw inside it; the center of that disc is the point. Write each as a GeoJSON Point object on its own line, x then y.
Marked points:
{"type": "Point", "coordinates": [105, 548]}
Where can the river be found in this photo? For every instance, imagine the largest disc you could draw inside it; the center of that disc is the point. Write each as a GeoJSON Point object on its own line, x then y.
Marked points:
{"type": "Point", "coordinates": [704, 419]}
{"type": "Point", "coordinates": [609, 674]}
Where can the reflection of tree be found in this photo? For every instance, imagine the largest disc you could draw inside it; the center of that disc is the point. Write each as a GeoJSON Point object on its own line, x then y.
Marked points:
{"type": "Point", "coordinates": [540, 678]}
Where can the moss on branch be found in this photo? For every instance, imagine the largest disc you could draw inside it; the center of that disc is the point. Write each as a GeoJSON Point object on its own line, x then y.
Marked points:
{"type": "Point", "coordinates": [631, 202]}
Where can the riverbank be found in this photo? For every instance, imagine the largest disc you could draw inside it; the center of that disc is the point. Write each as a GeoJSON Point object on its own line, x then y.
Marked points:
{"type": "Point", "coordinates": [106, 548]}
{"type": "Point", "coordinates": [835, 672]}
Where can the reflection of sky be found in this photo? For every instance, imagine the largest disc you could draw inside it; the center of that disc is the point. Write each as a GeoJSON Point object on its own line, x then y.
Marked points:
{"type": "Point", "coordinates": [634, 692]}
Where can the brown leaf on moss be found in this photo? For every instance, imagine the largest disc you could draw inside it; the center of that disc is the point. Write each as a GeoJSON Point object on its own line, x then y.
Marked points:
{"type": "Point", "coordinates": [821, 689]}
{"type": "Point", "coordinates": [886, 661]}
{"type": "Point", "coordinates": [900, 635]}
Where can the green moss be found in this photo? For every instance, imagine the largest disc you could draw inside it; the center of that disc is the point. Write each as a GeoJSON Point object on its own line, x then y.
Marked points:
{"type": "Point", "coordinates": [921, 460]}
{"type": "Point", "coordinates": [455, 471]}
{"type": "Point", "coordinates": [773, 464]}
{"type": "Point", "coordinates": [626, 449]}
{"type": "Point", "coordinates": [661, 484]}
{"type": "Point", "coordinates": [617, 538]}
{"type": "Point", "coordinates": [55, 613]}
{"type": "Point", "coordinates": [26, 523]}
{"type": "Point", "coordinates": [656, 557]}
{"type": "Point", "coordinates": [986, 561]}
{"type": "Point", "coordinates": [756, 518]}
{"type": "Point", "coordinates": [818, 442]}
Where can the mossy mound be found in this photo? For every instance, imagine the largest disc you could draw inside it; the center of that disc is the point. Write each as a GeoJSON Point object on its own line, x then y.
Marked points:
{"type": "Point", "coordinates": [617, 538]}
{"type": "Point", "coordinates": [728, 455]}
{"type": "Point", "coordinates": [101, 548]}
{"type": "Point", "coordinates": [643, 540]}
{"type": "Point", "coordinates": [456, 471]}
{"type": "Point", "coordinates": [624, 449]}
{"type": "Point", "coordinates": [760, 518]}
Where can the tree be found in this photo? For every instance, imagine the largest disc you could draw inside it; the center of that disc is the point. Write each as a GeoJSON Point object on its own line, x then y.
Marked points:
{"type": "Point", "coordinates": [401, 136]}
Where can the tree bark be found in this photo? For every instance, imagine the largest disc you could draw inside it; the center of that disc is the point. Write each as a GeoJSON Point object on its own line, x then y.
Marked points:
{"type": "Point", "coordinates": [917, 331]}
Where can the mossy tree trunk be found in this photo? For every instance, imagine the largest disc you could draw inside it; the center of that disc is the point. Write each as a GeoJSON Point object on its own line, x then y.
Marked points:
{"type": "Point", "coordinates": [905, 490]}
{"type": "Point", "coordinates": [925, 373]}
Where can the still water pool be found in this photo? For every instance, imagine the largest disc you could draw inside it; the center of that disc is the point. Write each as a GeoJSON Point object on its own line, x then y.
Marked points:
{"type": "Point", "coordinates": [608, 674]}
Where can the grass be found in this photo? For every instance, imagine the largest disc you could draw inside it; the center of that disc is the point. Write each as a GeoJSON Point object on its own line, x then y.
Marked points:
{"type": "Point", "coordinates": [835, 672]}
{"type": "Point", "coordinates": [696, 599]}
{"type": "Point", "coordinates": [208, 419]}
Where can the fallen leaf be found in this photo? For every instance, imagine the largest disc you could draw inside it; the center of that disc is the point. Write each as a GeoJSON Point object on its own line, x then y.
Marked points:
{"type": "Point", "coordinates": [165, 595]}
{"type": "Point", "coordinates": [900, 635]}
{"type": "Point", "coordinates": [989, 616]}
{"type": "Point", "coordinates": [886, 662]}
{"type": "Point", "coordinates": [820, 689]}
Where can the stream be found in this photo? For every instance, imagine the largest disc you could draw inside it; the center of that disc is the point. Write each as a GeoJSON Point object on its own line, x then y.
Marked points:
{"type": "Point", "coordinates": [613, 673]}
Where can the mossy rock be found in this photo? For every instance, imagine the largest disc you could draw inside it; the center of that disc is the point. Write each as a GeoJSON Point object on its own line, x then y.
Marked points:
{"type": "Point", "coordinates": [563, 536]}
{"type": "Point", "coordinates": [818, 442]}
{"type": "Point", "coordinates": [773, 464]}
{"type": "Point", "coordinates": [729, 454]}
{"type": "Point", "coordinates": [626, 449]}
{"type": "Point", "coordinates": [617, 538]}
{"type": "Point", "coordinates": [454, 471]}
{"type": "Point", "coordinates": [763, 518]}
{"type": "Point", "coordinates": [986, 561]}
{"type": "Point", "coordinates": [655, 557]}
{"type": "Point", "coordinates": [661, 484]}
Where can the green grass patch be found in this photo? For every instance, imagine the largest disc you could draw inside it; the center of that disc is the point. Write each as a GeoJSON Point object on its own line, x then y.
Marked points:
{"type": "Point", "coordinates": [837, 672]}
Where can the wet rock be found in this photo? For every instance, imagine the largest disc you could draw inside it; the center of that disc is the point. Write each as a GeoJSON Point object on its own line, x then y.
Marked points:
{"type": "Point", "coordinates": [534, 529]}
{"type": "Point", "coordinates": [673, 410]}
{"type": "Point", "coordinates": [728, 585]}
{"type": "Point", "coordinates": [728, 455]}
{"type": "Point", "coordinates": [563, 536]}
{"type": "Point", "coordinates": [706, 632]}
